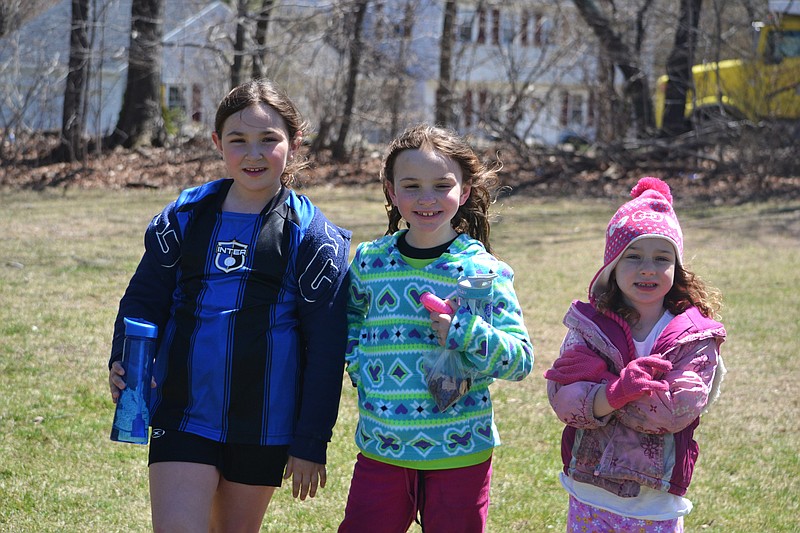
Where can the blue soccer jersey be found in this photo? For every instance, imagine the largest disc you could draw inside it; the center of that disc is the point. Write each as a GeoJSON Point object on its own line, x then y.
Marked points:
{"type": "Point", "coordinates": [251, 319]}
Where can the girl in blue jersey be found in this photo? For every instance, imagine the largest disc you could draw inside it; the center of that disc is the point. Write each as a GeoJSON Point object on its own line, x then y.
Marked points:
{"type": "Point", "coordinates": [242, 277]}
{"type": "Point", "coordinates": [415, 459]}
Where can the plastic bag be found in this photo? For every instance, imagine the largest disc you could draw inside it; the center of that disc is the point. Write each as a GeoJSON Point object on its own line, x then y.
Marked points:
{"type": "Point", "coordinates": [447, 377]}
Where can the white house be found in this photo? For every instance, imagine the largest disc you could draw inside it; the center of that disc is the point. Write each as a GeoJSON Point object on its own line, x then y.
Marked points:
{"type": "Point", "coordinates": [503, 52]}
{"type": "Point", "coordinates": [35, 57]}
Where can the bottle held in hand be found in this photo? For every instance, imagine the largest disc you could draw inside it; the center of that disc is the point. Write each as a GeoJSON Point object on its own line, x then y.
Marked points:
{"type": "Point", "coordinates": [132, 415]}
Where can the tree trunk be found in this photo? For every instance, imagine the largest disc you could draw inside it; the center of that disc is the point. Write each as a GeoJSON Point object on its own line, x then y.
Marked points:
{"type": "Point", "coordinates": [444, 92]}
{"type": "Point", "coordinates": [73, 118]}
{"type": "Point", "coordinates": [396, 82]}
{"type": "Point", "coordinates": [679, 69]}
{"type": "Point", "coordinates": [338, 150]}
{"type": "Point", "coordinates": [607, 116]}
{"type": "Point", "coordinates": [238, 45]}
{"type": "Point", "coordinates": [140, 121]}
{"type": "Point", "coordinates": [636, 86]}
{"type": "Point", "coordinates": [262, 24]}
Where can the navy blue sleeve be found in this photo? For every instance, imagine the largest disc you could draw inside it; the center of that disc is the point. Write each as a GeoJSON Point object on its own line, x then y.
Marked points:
{"type": "Point", "coordinates": [149, 293]}
{"type": "Point", "coordinates": [322, 272]}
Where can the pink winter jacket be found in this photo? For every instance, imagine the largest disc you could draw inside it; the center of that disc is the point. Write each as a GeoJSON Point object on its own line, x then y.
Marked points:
{"type": "Point", "coordinates": [649, 441]}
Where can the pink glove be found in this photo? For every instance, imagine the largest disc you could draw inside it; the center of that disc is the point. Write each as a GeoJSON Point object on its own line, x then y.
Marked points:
{"type": "Point", "coordinates": [579, 363]}
{"type": "Point", "coordinates": [637, 379]}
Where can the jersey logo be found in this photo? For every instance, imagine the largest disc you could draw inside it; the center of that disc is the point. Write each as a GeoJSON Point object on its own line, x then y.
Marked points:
{"type": "Point", "coordinates": [230, 256]}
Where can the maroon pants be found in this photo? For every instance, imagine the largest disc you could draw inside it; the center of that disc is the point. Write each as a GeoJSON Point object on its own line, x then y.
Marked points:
{"type": "Point", "coordinates": [386, 499]}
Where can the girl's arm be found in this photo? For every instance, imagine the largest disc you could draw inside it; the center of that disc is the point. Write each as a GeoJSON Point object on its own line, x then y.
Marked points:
{"type": "Point", "coordinates": [322, 282]}
{"type": "Point", "coordinates": [150, 290]}
{"type": "Point", "coordinates": [581, 402]}
{"type": "Point", "coordinates": [501, 349]}
{"type": "Point", "coordinates": [690, 381]}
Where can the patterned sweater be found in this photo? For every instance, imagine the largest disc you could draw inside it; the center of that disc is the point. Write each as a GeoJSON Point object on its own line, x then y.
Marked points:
{"type": "Point", "coordinates": [389, 334]}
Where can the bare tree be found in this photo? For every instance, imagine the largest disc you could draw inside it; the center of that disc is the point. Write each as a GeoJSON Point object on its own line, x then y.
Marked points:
{"type": "Point", "coordinates": [444, 92]}
{"type": "Point", "coordinates": [679, 68]}
{"type": "Point", "coordinates": [239, 43]}
{"type": "Point", "coordinates": [262, 25]}
{"type": "Point", "coordinates": [14, 12]}
{"type": "Point", "coordinates": [73, 123]}
{"type": "Point", "coordinates": [399, 79]}
{"type": "Point", "coordinates": [338, 149]}
{"type": "Point", "coordinates": [140, 122]}
{"type": "Point", "coordinates": [620, 54]}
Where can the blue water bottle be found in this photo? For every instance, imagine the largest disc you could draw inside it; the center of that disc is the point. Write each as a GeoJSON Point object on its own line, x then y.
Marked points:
{"type": "Point", "coordinates": [132, 416]}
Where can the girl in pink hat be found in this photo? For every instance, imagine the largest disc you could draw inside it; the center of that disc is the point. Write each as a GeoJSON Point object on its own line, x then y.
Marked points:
{"type": "Point", "coordinates": [638, 366]}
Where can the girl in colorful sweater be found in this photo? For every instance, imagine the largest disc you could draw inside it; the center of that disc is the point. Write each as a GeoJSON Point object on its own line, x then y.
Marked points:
{"type": "Point", "coordinates": [414, 457]}
{"type": "Point", "coordinates": [639, 364]}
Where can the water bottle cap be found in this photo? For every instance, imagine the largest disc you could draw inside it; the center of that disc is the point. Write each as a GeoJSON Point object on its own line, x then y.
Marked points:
{"type": "Point", "coordinates": [475, 286]}
{"type": "Point", "coordinates": [136, 327]}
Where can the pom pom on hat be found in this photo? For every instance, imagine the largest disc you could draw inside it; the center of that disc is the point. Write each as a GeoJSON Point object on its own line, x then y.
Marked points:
{"type": "Point", "coordinates": [648, 214]}
{"type": "Point", "coordinates": [652, 184]}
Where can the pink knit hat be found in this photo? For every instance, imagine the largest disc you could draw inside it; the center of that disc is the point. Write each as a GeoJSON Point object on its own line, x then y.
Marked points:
{"type": "Point", "coordinates": [649, 214]}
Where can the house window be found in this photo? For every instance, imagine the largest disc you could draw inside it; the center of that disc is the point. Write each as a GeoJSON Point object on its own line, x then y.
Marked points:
{"type": "Point", "coordinates": [379, 22]}
{"type": "Point", "coordinates": [576, 109]}
{"type": "Point", "coordinates": [467, 108]}
{"type": "Point", "coordinates": [408, 21]}
{"type": "Point", "coordinates": [465, 21]}
{"type": "Point", "coordinates": [538, 30]}
{"type": "Point", "coordinates": [481, 25]}
{"type": "Point", "coordinates": [176, 98]}
{"type": "Point", "coordinates": [508, 30]}
{"type": "Point", "coordinates": [197, 102]}
{"type": "Point", "coordinates": [495, 26]}
{"type": "Point", "coordinates": [571, 109]}
{"type": "Point", "coordinates": [534, 29]}
{"type": "Point", "coordinates": [523, 29]}
{"type": "Point", "coordinates": [483, 99]}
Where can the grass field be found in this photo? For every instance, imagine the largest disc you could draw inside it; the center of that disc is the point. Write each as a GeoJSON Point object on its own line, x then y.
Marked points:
{"type": "Point", "coordinates": [66, 257]}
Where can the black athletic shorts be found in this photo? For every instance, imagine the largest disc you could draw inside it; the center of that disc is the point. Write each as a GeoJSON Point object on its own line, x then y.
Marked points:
{"type": "Point", "coordinates": [239, 463]}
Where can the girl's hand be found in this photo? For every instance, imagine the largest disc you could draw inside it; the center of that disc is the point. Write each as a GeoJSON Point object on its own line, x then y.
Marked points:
{"type": "Point", "coordinates": [306, 477]}
{"type": "Point", "coordinates": [442, 312]}
{"type": "Point", "coordinates": [115, 381]}
{"type": "Point", "coordinates": [637, 379]}
{"type": "Point", "coordinates": [434, 304]}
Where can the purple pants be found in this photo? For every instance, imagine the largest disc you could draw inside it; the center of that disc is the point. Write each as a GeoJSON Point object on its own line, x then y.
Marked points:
{"type": "Point", "coordinates": [588, 519]}
{"type": "Point", "coordinates": [385, 498]}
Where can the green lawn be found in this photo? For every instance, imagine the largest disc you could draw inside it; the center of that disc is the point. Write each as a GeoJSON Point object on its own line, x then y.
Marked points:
{"type": "Point", "coordinates": [66, 257]}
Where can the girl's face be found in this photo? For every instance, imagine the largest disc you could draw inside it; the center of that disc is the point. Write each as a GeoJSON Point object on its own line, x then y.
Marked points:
{"type": "Point", "coordinates": [428, 189]}
{"type": "Point", "coordinates": [645, 272]}
{"type": "Point", "coordinates": [255, 146]}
